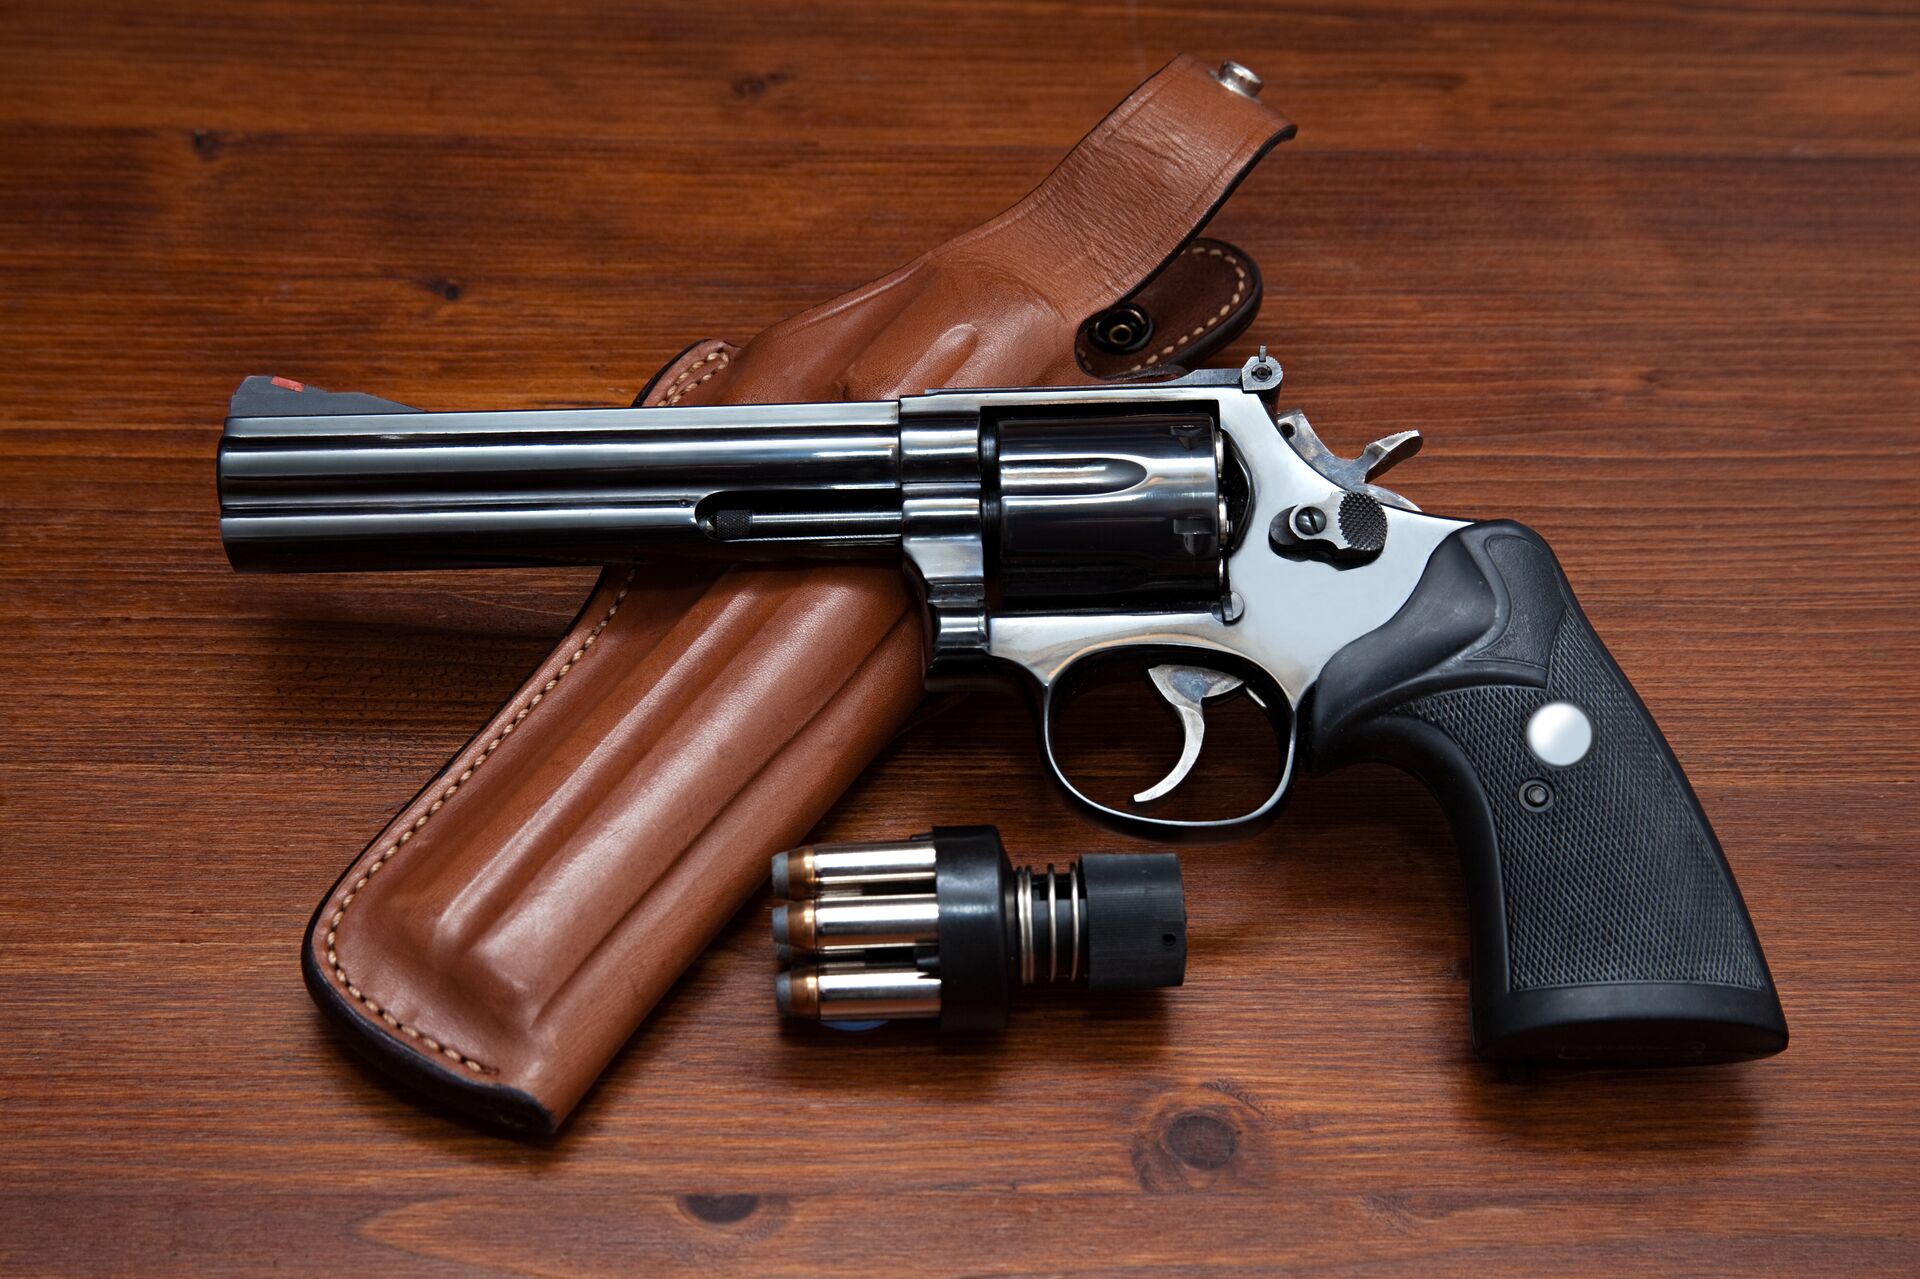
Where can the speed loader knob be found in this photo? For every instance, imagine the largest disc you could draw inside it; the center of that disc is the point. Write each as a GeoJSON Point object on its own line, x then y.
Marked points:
{"type": "Point", "coordinates": [943, 925]}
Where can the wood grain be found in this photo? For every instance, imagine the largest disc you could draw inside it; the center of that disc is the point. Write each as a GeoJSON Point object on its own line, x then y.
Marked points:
{"type": "Point", "coordinates": [1647, 273]}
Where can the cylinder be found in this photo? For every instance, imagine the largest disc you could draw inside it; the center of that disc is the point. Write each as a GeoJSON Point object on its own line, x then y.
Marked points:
{"type": "Point", "coordinates": [1125, 509]}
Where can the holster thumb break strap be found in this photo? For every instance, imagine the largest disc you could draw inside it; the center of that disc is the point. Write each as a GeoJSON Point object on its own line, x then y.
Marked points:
{"type": "Point", "coordinates": [508, 931]}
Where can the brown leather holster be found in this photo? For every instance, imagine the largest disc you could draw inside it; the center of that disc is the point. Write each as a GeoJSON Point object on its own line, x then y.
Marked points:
{"type": "Point", "coordinates": [500, 940]}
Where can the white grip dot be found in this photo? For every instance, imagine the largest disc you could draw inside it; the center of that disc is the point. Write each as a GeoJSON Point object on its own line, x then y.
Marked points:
{"type": "Point", "coordinates": [1560, 734]}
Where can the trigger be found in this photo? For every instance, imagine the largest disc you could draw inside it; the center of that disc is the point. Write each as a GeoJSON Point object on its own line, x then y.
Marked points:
{"type": "Point", "coordinates": [1187, 689]}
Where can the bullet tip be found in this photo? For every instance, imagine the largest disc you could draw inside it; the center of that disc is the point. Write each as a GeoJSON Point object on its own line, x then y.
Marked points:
{"type": "Point", "coordinates": [783, 994]}
{"type": "Point", "coordinates": [779, 874]}
{"type": "Point", "coordinates": [780, 926]}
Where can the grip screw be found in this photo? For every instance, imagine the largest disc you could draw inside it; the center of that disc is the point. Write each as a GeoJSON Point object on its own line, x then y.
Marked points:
{"type": "Point", "coordinates": [1536, 795]}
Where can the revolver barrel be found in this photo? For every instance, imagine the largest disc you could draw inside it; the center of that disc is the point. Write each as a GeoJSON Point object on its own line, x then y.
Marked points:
{"type": "Point", "coordinates": [312, 480]}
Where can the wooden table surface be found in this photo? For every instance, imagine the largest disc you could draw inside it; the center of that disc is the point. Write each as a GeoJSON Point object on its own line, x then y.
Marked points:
{"type": "Point", "coordinates": [1647, 273]}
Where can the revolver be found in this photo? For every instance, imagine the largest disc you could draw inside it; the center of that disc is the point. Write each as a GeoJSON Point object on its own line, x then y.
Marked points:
{"type": "Point", "coordinates": [1189, 530]}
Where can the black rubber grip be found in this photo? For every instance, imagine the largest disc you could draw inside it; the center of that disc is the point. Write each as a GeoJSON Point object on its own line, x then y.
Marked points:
{"type": "Point", "coordinates": [1605, 923]}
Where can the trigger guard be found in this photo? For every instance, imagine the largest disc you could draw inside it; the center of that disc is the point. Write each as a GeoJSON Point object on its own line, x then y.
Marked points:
{"type": "Point", "coordinates": [1169, 828]}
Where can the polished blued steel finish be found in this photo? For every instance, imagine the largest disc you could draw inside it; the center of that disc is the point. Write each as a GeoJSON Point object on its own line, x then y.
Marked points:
{"type": "Point", "coordinates": [1109, 509]}
{"type": "Point", "coordinates": [1115, 506]}
{"type": "Point", "coordinates": [1048, 531]}
{"type": "Point", "coordinates": [403, 489]}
